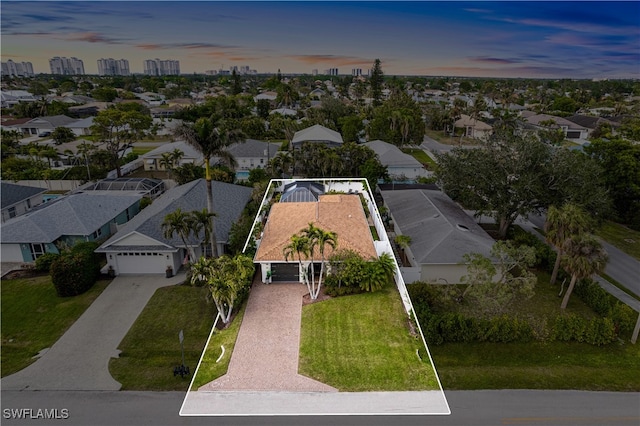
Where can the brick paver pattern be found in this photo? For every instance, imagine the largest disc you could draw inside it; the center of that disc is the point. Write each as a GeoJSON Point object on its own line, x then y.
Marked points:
{"type": "Point", "coordinates": [265, 357]}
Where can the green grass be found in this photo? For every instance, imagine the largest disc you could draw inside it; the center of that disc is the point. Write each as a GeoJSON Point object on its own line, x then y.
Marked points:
{"type": "Point", "coordinates": [362, 343]}
{"type": "Point", "coordinates": [624, 238]}
{"type": "Point", "coordinates": [540, 365]}
{"type": "Point", "coordinates": [536, 365]}
{"type": "Point", "coordinates": [151, 348]}
{"type": "Point", "coordinates": [34, 318]}
{"type": "Point", "coordinates": [421, 156]}
{"type": "Point", "coordinates": [141, 150]}
{"type": "Point", "coordinates": [446, 139]}
{"type": "Point", "coordinates": [374, 233]}
{"type": "Point", "coordinates": [210, 369]}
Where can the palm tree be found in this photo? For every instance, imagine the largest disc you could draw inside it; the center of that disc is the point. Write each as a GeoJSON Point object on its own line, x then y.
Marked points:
{"type": "Point", "coordinates": [379, 273]}
{"type": "Point", "coordinates": [319, 238]}
{"type": "Point", "coordinates": [563, 223]}
{"type": "Point", "coordinates": [179, 223]}
{"type": "Point", "coordinates": [583, 256]}
{"type": "Point", "coordinates": [206, 138]}
{"type": "Point", "coordinates": [227, 277]}
{"type": "Point", "coordinates": [299, 246]}
{"type": "Point", "coordinates": [202, 221]}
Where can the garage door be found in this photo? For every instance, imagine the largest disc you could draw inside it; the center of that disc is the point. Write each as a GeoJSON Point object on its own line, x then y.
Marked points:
{"type": "Point", "coordinates": [141, 263]}
{"type": "Point", "coordinates": [284, 272]}
{"type": "Point", "coordinates": [573, 135]}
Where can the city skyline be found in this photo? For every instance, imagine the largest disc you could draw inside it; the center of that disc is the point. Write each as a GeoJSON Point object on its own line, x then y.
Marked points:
{"type": "Point", "coordinates": [573, 39]}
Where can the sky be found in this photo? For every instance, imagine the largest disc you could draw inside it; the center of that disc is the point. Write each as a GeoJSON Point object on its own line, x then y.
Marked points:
{"type": "Point", "coordinates": [551, 39]}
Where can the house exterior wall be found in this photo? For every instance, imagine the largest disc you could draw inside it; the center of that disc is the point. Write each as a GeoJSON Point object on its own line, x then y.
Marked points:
{"type": "Point", "coordinates": [21, 207]}
{"type": "Point", "coordinates": [12, 253]}
{"type": "Point", "coordinates": [443, 274]}
{"type": "Point", "coordinates": [408, 172]}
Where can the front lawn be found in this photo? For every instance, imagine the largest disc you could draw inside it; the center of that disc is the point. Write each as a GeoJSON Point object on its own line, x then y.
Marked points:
{"type": "Point", "coordinates": [151, 348]}
{"type": "Point", "coordinates": [34, 317]}
{"type": "Point", "coordinates": [362, 343]}
{"type": "Point", "coordinates": [422, 157]}
{"type": "Point", "coordinates": [540, 364]}
{"type": "Point", "coordinates": [624, 238]}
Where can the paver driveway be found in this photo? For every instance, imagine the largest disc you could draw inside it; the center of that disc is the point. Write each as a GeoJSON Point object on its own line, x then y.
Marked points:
{"type": "Point", "coordinates": [265, 357]}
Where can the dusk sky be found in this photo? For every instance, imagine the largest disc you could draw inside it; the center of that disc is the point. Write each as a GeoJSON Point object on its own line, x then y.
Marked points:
{"type": "Point", "coordinates": [575, 39]}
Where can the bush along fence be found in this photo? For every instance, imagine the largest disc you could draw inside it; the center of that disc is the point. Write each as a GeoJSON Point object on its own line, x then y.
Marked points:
{"type": "Point", "coordinates": [452, 327]}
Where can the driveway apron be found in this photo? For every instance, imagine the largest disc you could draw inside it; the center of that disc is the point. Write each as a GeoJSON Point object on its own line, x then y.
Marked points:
{"type": "Point", "coordinates": [79, 360]}
{"type": "Point", "coordinates": [265, 357]}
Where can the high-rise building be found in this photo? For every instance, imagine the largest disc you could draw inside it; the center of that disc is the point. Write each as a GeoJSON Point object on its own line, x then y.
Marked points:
{"type": "Point", "coordinates": [66, 66]}
{"type": "Point", "coordinates": [112, 66]}
{"type": "Point", "coordinates": [17, 69]}
{"type": "Point", "coordinates": [161, 67]}
{"type": "Point", "coordinates": [356, 72]}
{"type": "Point", "coordinates": [331, 71]}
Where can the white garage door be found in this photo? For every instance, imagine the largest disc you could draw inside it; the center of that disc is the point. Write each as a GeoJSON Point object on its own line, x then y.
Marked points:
{"type": "Point", "coordinates": [141, 263]}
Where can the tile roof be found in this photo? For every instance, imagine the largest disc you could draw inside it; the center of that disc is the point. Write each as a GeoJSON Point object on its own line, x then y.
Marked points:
{"type": "Point", "coordinates": [340, 213]}
{"type": "Point", "coordinates": [441, 232]}
{"type": "Point", "coordinates": [75, 214]}
{"type": "Point", "coordinates": [10, 193]}
{"type": "Point", "coordinates": [228, 201]}
{"type": "Point", "coordinates": [466, 120]}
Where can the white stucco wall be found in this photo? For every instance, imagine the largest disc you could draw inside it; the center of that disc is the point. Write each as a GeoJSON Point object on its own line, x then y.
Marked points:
{"type": "Point", "coordinates": [11, 253]}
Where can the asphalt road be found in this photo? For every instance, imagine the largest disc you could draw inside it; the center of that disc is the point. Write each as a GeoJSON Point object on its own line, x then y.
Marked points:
{"type": "Point", "coordinates": [478, 408]}
{"type": "Point", "coordinates": [621, 267]}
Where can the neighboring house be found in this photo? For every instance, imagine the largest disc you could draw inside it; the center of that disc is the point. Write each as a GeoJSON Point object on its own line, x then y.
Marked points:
{"type": "Point", "coordinates": [9, 98]}
{"type": "Point", "coordinates": [81, 127]}
{"type": "Point", "coordinates": [571, 130]}
{"type": "Point", "coordinates": [140, 246]}
{"type": "Point", "coordinates": [340, 213]}
{"type": "Point", "coordinates": [18, 199]}
{"type": "Point", "coordinates": [441, 234]}
{"type": "Point", "coordinates": [591, 123]}
{"type": "Point", "coordinates": [399, 165]}
{"type": "Point", "coordinates": [270, 96]}
{"type": "Point", "coordinates": [317, 93]}
{"type": "Point", "coordinates": [473, 128]}
{"type": "Point", "coordinates": [288, 112]}
{"type": "Point", "coordinates": [253, 154]}
{"type": "Point", "coordinates": [317, 134]}
{"type": "Point", "coordinates": [190, 155]}
{"type": "Point", "coordinates": [66, 220]}
{"type": "Point", "coordinates": [88, 109]}
{"type": "Point", "coordinates": [38, 125]}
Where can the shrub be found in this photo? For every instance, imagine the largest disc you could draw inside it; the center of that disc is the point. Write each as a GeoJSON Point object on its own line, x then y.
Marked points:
{"type": "Point", "coordinates": [43, 263]}
{"type": "Point", "coordinates": [505, 329]}
{"type": "Point", "coordinates": [569, 327]}
{"type": "Point", "coordinates": [600, 331]}
{"type": "Point", "coordinates": [73, 273]}
{"type": "Point", "coordinates": [594, 296]}
{"type": "Point", "coordinates": [545, 255]}
{"type": "Point", "coordinates": [623, 317]}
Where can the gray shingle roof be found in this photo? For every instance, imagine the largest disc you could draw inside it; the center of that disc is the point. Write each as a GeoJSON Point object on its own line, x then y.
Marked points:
{"type": "Point", "coordinates": [390, 155]}
{"type": "Point", "coordinates": [254, 148]}
{"type": "Point", "coordinates": [317, 133]}
{"type": "Point", "coordinates": [76, 214]}
{"type": "Point", "coordinates": [228, 201]}
{"type": "Point", "coordinates": [10, 193]}
{"type": "Point", "coordinates": [441, 232]}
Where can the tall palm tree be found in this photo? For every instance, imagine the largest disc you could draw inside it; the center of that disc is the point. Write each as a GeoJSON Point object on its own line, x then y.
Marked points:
{"type": "Point", "coordinates": [561, 224]}
{"type": "Point", "coordinates": [180, 223]}
{"type": "Point", "coordinates": [299, 246]}
{"type": "Point", "coordinates": [583, 257]}
{"type": "Point", "coordinates": [202, 222]}
{"type": "Point", "coordinates": [320, 238]}
{"type": "Point", "coordinates": [211, 142]}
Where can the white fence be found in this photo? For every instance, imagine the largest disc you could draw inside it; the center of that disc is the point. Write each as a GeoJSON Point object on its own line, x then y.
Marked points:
{"type": "Point", "coordinates": [53, 185]}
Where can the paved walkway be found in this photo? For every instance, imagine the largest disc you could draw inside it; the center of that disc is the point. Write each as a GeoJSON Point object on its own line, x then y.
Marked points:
{"type": "Point", "coordinates": [265, 357]}
{"type": "Point", "coordinates": [79, 360]}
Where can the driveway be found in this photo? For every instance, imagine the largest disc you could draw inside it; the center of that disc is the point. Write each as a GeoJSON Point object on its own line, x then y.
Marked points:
{"type": "Point", "coordinates": [79, 360]}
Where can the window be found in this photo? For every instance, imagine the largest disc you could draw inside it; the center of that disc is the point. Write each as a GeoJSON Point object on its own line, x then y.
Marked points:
{"type": "Point", "coordinates": [12, 212]}
{"type": "Point", "coordinates": [97, 234]}
{"type": "Point", "coordinates": [37, 250]}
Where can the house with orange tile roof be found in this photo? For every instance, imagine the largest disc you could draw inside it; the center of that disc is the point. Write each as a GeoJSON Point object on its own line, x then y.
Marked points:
{"type": "Point", "coordinates": [339, 213]}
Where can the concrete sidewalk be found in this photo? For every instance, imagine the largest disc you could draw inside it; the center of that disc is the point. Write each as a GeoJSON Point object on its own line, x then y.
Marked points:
{"type": "Point", "coordinates": [79, 360]}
